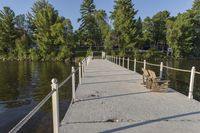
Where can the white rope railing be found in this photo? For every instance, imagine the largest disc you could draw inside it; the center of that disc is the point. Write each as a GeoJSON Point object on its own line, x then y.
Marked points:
{"type": "Point", "coordinates": [192, 71]}
{"type": "Point", "coordinates": [197, 72]}
{"type": "Point", "coordinates": [54, 94]}
{"type": "Point", "coordinates": [151, 64]}
{"type": "Point", "coordinates": [177, 69]}
{"type": "Point", "coordinates": [62, 83]}
{"type": "Point", "coordinates": [29, 115]}
{"type": "Point", "coordinates": [139, 62]}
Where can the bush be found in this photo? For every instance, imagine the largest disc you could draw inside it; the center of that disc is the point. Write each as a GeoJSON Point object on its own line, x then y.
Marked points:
{"type": "Point", "coordinates": [89, 52]}
{"type": "Point", "coordinates": [152, 53]}
{"type": "Point", "coordinates": [33, 54]}
{"type": "Point", "coordinates": [63, 54]}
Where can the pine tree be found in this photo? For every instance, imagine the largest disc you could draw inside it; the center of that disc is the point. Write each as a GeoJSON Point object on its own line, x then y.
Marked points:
{"type": "Point", "coordinates": [7, 31]}
{"type": "Point", "coordinates": [159, 28]}
{"type": "Point", "coordinates": [89, 28]}
{"type": "Point", "coordinates": [49, 30]}
{"type": "Point", "coordinates": [147, 32]}
{"type": "Point", "coordinates": [181, 35]}
{"type": "Point", "coordinates": [139, 28]}
{"type": "Point", "coordinates": [105, 29]}
{"type": "Point", "coordinates": [124, 24]}
{"type": "Point", "coordinates": [22, 46]}
{"type": "Point", "coordinates": [196, 5]}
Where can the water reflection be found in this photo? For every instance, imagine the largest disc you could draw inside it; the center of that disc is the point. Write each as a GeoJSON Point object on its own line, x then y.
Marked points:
{"type": "Point", "coordinates": [23, 85]}
{"type": "Point", "coordinates": [178, 80]}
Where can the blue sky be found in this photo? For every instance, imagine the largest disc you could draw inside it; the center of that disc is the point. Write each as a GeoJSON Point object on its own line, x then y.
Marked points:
{"type": "Point", "coordinates": [71, 8]}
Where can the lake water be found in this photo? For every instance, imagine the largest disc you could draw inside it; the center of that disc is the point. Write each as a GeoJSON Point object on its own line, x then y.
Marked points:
{"type": "Point", "coordinates": [178, 80]}
{"type": "Point", "coordinates": [24, 84]}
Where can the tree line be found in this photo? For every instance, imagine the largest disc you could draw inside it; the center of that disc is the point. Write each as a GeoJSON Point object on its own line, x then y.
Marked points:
{"type": "Point", "coordinates": [43, 34]}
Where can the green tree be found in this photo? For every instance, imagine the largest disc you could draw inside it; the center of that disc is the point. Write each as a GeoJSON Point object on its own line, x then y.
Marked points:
{"type": "Point", "coordinates": [89, 28]}
{"type": "Point", "coordinates": [22, 46]}
{"type": "Point", "coordinates": [154, 30]}
{"type": "Point", "coordinates": [183, 34]}
{"type": "Point", "coordinates": [139, 32]}
{"type": "Point", "coordinates": [159, 29]}
{"type": "Point", "coordinates": [180, 35]}
{"type": "Point", "coordinates": [124, 21]}
{"type": "Point", "coordinates": [7, 31]}
{"type": "Point", "coordinates": [105, 29]}
{"type": "Point", "coordinates": [43, 19]}
{"type": "Point", "coordinates": [21, 22]}
{"type": "Point", "coordinates": [147, 32]}
{"type": "Point", "coordinates": [49, 30]}
{"type": "Point", "coordinates": [196, 5]}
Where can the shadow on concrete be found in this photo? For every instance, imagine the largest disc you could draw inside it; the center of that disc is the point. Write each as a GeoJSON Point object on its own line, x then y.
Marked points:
{"type": "Point", "coordinates": [108, 75]}
{"type": "Point", "coordinates": [120, 70]}
{"type": "Point", "coordinates": [127, 81]}
{"type": "Point", "coordinates": [149, 122]}
{"type": "Point", "coordinates": [105, 97]}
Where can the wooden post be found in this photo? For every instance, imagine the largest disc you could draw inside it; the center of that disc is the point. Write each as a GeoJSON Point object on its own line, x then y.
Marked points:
{"type": "Point", "coordinates": [190, 96]}
{"type": "Point", "coordinates": [73, 84]}
{"type": "Point", "coordinates": [128, 63]}
{"type": "Point", "coordinates": [135, 65]}
{"type": "Point", "coordinates": [161, 70]}
{"type": "Point", "coordinates": [123, 62]}
{"type": "Point", "coordinates": [144, 64]}
{"type": "Point", "coordinates": [55, 105]}
{"type": "Point", "coordinates": [79, 71]}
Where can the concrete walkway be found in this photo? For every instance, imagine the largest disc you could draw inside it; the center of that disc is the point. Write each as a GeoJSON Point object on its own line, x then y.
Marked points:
{"type": "Point", "coordinates": [111, 99]}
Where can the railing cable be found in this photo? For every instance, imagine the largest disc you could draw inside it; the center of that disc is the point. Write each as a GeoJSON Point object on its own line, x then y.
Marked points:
{"type": "Point", "coordinates": [30, 114]}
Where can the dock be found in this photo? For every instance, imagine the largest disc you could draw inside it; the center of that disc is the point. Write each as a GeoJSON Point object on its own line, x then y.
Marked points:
{"type": "Point", "coordinates": [112, 99]}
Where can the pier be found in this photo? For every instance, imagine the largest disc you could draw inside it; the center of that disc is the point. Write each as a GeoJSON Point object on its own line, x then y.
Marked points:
{"type": "Point", "coordinates": [112, 99]}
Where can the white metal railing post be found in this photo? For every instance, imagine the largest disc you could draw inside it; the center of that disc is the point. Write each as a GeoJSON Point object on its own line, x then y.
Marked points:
{"type": "Point", "coordinates": [119, 60]}
{"type": "Point", "coordinates": [123, 62]}
{"type": "Point", "coordinates": [73, 84]}
{"type": "Point", "coordinates": [135, 65]}
{"type": "Point", "coordinates": [190, 96]}
{"type": "Point", "coordinates": [161, 70]}
{"type": "Point", "coordinates": [82, 68]}
{"type": "Point", "coordinates": [116, 60]}
{"type": "Point", "coordinates": [144, 64]}
{"type": "Point", "coordinates": [85, 62]}
{"type": "Point", "coordinates": [128, 63]}
{"type": "Point", "coordinates": [79, 71]}
{"type": "Point", "coordinates": [55, 105]}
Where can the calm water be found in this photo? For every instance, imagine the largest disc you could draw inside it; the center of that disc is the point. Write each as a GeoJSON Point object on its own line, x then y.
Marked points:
{"type": "Point", "coordinates": [23, 85]}
{"type": "Point", "coordinates": [178, 80]}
